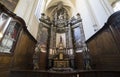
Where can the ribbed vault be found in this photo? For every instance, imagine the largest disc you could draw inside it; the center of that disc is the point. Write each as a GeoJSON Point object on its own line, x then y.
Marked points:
{"type": "Point", "coordinates": [51, 6]}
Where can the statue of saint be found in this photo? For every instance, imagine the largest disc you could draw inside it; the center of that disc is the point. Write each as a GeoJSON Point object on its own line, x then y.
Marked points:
{"type": "Point", "coordinates": [42, 16]}
{"type": "Point", "coordinates": [78, 16]}
{"type": "Point", "coordinates": [86, 59]}
{"type": "Point", "coordinates": [36, 57]}
{"type": "Point", "coordinates": [61, 16]}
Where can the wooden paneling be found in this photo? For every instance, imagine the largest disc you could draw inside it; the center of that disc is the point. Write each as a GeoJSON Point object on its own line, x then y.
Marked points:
{"type": "Point", "coordinates": [5, 64]}
{"type": "Point", "coordinates": [79, 61]}
{"type": "Point", "coordinates": [21, 57]}
{"type": "Point", "coordinates": [104, 45]}
{"type": "Point", "coordinates": [43, 61]}
{"type": "Point", "coordinates": [23, 53]}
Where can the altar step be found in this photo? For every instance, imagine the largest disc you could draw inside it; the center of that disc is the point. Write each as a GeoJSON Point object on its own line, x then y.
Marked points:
{"type": "Point", "coordinates": [61, 69]}
{"type": "Point", "coordinates": [81, 73]}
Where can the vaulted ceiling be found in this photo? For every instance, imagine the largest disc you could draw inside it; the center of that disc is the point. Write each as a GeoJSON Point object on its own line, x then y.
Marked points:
{"type": "Point", "coordinates": [51, 5]}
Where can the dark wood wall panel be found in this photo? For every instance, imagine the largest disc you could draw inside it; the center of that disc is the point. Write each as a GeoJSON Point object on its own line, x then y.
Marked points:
{"type": "Point", "coordinates": [43, 61]}
{"type": "Point", "coordinates": [21, 56]}
{"type": "Point", "coordinates": [23, 53]}
{"type": "Point", "coordinates": [5, 64]}
{"type": "Point", "coordinates": [79, 61]}
{"type": "Point", "coordinates": [104, 46]}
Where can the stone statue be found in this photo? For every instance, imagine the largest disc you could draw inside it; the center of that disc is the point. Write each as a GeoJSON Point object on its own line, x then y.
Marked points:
{"type": "Point", "coordinates": [86, 59]}
{"type": "Point", "coordinates": [78, 16]}
{"type": "Point", "coordinates": [65, 15]}
{"type": "Point", "coordinates": [42, 16]}
{"type": "Point", "coordinates": [36, 56]}
{"type": "Point", "coordinates": [61, 16]}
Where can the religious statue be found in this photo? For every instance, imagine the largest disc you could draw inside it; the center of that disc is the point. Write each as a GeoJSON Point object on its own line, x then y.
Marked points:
{"type": "Point", "coordinates": [60, 45]}
{"type": "Point", "coordinates": [36, 57]}
{"type": "Point", "coordinates": [61, 16]}
{"type": "Point", "coordinates": [78, 16]}
{"type": "Point", "coordinates": [42, 16]}
{"type": "Point", "coordinates": [65, 15]}
{"type": "Point", "coordinates": [86, 59]}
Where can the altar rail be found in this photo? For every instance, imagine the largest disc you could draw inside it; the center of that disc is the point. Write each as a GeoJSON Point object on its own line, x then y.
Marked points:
{"type": "Point", "coordinates": [104, 46]}
{"type": "Point", "coordinates": [82, 73]}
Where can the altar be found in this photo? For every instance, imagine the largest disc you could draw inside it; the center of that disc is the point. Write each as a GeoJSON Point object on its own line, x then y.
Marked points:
{"type": "Point", "coordinates": [61, 64]}
{"type": "Point", "coordinates": [61, 69]}
{"type": "Point", "coordinates": [61, 60]}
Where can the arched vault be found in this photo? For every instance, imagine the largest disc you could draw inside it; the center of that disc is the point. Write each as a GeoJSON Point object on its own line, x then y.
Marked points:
{"type": "Point", "coordinates": [51, 6]}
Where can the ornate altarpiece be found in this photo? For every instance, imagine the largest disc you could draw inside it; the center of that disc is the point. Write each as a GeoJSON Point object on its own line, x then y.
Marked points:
{"type": "Point", "coordinates": [64, 36]}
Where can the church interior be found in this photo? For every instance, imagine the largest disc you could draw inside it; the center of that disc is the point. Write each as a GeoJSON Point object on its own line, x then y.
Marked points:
{"type": "Point", "coordinates": [54, 38]}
